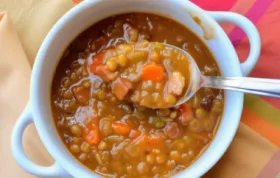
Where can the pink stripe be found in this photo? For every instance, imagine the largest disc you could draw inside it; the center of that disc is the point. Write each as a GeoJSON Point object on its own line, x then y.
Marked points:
{"type": "Point", "coordinates": [215, 5]}
{"type": "Point", "coordinates": [254, 14]}
{"type": "Point", "coordinates": [240, 7]}
{"type": "Point", "coordinates": [272, 169]}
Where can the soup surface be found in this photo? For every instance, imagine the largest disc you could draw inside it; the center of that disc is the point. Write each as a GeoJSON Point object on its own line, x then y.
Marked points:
{"type": "Point", "coordinates": [109, 133]}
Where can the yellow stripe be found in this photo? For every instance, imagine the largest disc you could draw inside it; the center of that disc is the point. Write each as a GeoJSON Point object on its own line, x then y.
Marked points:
{"type": "Point", "coordinates": [263, 109]}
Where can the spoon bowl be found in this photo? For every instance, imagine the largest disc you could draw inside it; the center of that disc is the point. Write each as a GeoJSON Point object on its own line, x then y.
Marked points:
{"type": "Point", "coordinates": [196, 77]}
{"type": "Point", "coordinates": [257, 86]}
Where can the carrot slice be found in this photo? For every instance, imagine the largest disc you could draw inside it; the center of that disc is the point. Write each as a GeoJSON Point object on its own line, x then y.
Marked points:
{"type": "Point", "coordinates": [186, 108]}
{"type": "Point", "coordinates": [96, 61]}
{"type": "Point", "coordinates": [92, 137]}
{"type": "Point", "coordinates": [134, 134]}
{"type": "Point", "coordinates": [92, 134]}
{"type": "Point", "coordinates": [154, 72]}
{"type": "Point", "coordinates": [121, 129]}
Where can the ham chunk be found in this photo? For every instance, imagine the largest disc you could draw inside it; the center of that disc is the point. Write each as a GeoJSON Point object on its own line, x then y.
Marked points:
{"type": "Point", "coordinates": [105, 73]}
{"type": "Point", "coordinates": [172, 130]}
{"type": "Point", "coordinates": [121, 87]}
{"type": "Point", "coordinates": [176, 83]}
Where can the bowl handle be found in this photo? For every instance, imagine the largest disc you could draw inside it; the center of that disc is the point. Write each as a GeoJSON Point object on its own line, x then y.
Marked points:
{"type": "Point", "coordinates": [251, 31]}
{"type": "Point", "coordinates": [16, 145]}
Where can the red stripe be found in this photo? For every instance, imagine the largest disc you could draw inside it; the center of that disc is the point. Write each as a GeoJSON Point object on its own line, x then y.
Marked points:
{"type": "Point", "coordinates": [274, 101]}
{"type": "Point", "coordinates": [254, 14]}
{"type": "Point", "coordinates": [215, 5]}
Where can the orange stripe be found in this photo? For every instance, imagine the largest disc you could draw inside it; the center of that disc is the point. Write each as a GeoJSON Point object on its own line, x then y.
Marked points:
{"type": "Point", "coordinates": [261, 126]}
{"type": "Point", "coordinates": [240, 7]}
{"type": "Point", "coordinates": [1, 15]}
{"type": "Point", "coordinates": [77, 1]}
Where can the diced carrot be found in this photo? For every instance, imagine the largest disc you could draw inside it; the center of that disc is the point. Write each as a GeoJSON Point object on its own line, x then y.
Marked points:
{"type": "Point", "coordinates": [96, 61]}
{"type": "Point", "coordinates": [92, 136]}
{"type": "Point", "coordinates": [95, 121]}
{"type": "Point", "coordinates": [185, 108]}
{"type": "Point", "coordinates": [187, 111]}
{"type": "Point", "coordinates": [121, 129]}
{"type": "Point", "coordinates": [134, 134]}
{"type": "Point", "coordinates": [155, 140]}
{"type": "Point", "coordinates": [121, 87]}
{"type": "Point", "coordinates": [154, 72]}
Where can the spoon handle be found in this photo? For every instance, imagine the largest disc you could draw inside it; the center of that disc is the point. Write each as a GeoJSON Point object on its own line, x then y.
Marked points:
{"type": "Point", "coordinates": [258, 86]}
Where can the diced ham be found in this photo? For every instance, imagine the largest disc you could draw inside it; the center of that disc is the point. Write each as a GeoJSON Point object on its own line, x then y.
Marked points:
{"type": "Point", "coordinates": [105, 73]}
{"type": "Point", "coordinates": [121, 87]}
{"type": "Point", "coordinates": [176, 83]}
{"type": "Point", "coordinates": [172, 130]}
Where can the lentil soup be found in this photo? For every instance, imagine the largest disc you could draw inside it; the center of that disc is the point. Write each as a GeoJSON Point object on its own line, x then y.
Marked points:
{"type": "Point", "coordinates": [101, 120]}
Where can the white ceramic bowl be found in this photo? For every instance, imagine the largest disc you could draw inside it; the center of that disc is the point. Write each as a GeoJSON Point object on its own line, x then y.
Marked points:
{"type": "Point", "coordinates": [89, 12]}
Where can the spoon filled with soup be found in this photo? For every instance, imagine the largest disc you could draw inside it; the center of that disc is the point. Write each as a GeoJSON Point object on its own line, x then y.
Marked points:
{"type": "Point", "coordinates": [157, 75]}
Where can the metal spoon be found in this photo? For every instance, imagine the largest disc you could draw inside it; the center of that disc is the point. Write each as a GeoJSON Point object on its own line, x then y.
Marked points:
{"type": "Point", "coordinates": [258, 86]}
